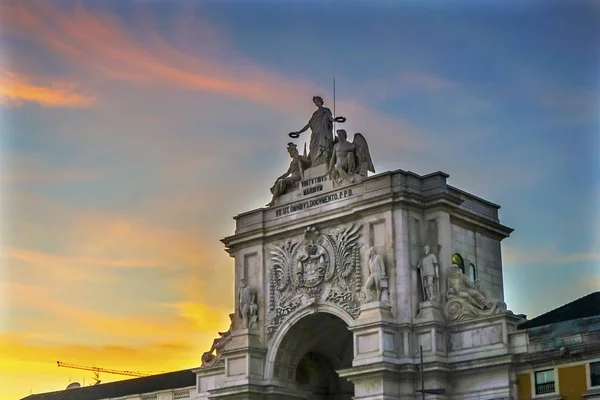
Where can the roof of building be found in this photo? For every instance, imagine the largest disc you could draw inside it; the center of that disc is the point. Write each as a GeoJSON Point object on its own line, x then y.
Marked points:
{"type": "Point", "coordinates": [584, 307]}
{"type": "Point", "coordinates": [147, 384]}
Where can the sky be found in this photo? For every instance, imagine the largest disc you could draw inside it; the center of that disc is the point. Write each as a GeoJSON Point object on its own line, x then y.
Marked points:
{"type": "Point", "coordinates": [133, 131]}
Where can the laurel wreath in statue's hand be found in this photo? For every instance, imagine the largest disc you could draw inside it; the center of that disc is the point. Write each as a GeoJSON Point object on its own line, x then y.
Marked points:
{"type": "Point", "coordinates": [296, 135]}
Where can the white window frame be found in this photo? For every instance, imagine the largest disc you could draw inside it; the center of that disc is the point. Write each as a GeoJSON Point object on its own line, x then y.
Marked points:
{"type": "Point", "coordinates": [533, 383]}
{"type": "Point", "coordinates": [588, 374]}
{"type": "Point", "coordinates": [468, 268]}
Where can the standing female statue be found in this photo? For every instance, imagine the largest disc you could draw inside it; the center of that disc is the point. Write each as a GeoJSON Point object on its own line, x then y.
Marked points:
{"type": "Point", "coordinates": [321, 138]}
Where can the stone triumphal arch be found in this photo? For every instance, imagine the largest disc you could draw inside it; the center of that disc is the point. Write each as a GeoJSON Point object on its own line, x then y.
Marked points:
{"type": "Point", "coordinates": [344, 277]}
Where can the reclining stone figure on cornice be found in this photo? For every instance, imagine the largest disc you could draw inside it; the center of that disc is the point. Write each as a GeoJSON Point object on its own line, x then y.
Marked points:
{"type": "Point", "coordinates": [208, 358]}
{"type": "Point", "coordinates": [466, 299]}
{"type": "Point", "coordinates": [290, 179]}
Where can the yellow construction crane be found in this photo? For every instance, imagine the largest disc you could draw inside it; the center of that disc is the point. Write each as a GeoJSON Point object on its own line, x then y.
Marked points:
{"type": "Point", "coordinates": [97, 370]}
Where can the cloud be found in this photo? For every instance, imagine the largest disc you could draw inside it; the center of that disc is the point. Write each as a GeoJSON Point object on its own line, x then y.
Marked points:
{"type": "Point", "coordinates": [547, 255]}
{"type": "Point", "coordinates": [100, 43]}
{"type": "Point", "coordinates": [405, 82]}
{"type": "Point", "coordinates": [183, 322]}
{"type": "Point", "coordinates": [91, 245]}
{"type": "Point", "coordinates": [591, 283]}
{"type": "Point", "coordinates": [36, 257]}
{"type": "Point", "coordinates": [16, 89]}
{"type": "Point", "coordinates": [425, 81]}
{"type": "Point", "coordinates": [59, 267]}
{"type": "Point", "coordinates": [46, 176]}
{"type": "Point", "coordinates": [20, 168]}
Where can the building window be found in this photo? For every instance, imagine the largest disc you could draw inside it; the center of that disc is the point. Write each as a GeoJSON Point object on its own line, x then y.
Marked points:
{"type": "Point", "coordinates": [472, 273]}
{"type": "Point", "coordinates": [544, 381]}
{"type": "Point", "coordinates": [458, 260]}
{"type": "Point", "coordinates": [595, 374]}
{"type": "Point", "coordinates": [181, 394]}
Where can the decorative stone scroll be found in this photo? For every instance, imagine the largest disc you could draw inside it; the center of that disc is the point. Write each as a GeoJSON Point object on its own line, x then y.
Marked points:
{"type": "Point", "coordinates": [322, 267]}
{"type": "Point", "coordinates": [466, 299]}
{"type": "Point", "coordinates": [211, 357]}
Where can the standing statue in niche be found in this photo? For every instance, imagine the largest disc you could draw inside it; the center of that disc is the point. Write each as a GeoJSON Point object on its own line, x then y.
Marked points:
{"type": "Point", "coordinates": [321, 138]}
{"type": "Point", "coordinates": [377, 282]}
{"type": "Point", "coordinates": [248, 309]}
{"type": "Point", "coordinates": [289, 180]}
{"type": "Point", "coordinates": [466, 298]}
{"type": "Point", "coordinates": [350, 161]}
{"type": "Point", "coordinates": [428, 267]}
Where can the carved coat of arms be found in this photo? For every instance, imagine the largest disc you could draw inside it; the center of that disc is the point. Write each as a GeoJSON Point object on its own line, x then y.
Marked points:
{"type": "Point", "coordinates": [321, 266]}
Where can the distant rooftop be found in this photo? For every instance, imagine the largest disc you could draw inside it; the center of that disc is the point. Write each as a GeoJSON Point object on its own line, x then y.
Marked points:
{"type": "Point", "coordinates": [148, 384]}
{"type": "Point", "coordinates": [584, 307]}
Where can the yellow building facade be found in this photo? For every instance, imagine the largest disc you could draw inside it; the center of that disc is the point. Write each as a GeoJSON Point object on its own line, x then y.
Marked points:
{"type": "Point", "coordinates": [570, 381]}
{"type": "Point", "coordinates": [557, 355]}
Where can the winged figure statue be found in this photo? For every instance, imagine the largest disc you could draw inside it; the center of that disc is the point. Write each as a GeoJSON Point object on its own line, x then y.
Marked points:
{"type": "Point", "coordinates": [350, 161]}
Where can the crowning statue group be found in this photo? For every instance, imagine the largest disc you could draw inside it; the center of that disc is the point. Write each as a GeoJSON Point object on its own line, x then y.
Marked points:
{"type": "Point", "coordinates": [346, 162]}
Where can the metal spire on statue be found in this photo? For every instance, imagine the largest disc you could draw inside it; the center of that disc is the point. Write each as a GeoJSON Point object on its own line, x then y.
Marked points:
{"type": "Point", "coordinates": [334, 103]}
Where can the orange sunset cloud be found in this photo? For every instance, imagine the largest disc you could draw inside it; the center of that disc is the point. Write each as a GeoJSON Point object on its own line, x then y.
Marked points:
{"type": "Point", "coordinates": [102, 45]}
{"type": "Point", "coordinates": [67, 295]}
{"type": "Point", "coordinates": [17, 89]}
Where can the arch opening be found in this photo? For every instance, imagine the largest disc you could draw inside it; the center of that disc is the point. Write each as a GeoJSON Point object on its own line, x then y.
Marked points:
{"type": "Point", "coordinates": [311, 352]}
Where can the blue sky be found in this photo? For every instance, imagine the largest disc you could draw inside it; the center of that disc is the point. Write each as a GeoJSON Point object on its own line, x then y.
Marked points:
{"type": "Point", "coordinates": [132, 132]}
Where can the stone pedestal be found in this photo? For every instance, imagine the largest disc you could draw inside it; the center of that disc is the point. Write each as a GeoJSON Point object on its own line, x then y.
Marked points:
{"type": "Point", "coordinates": [429, 311]}
{"type": "Point", "coordinates": [244, 360]}
{"type": "Point", "coordinates": [377, 350]}
{"type": "Point", "coordinates": [315, 181]}
{"type": "Point", "coordinates": [377, 381]}
{"type": "Point", "coordinates": [376, 338]}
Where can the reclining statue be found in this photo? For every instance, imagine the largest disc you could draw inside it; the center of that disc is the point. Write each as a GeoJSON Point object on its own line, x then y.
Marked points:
{"type": "Point", "coordinates": [466, 298]}
{"type": "Point", "coordinates": [208, 358]}
{"type": "Point", "coordinates": [291, 178]}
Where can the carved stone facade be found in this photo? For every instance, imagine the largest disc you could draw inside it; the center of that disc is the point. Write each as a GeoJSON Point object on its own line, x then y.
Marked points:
{"type": "Point", "coordinates": [344, 295]}
{"type": "Point", "coordinates": [343, 287]}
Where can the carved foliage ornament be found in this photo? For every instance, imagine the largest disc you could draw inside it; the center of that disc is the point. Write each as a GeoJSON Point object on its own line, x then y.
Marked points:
{"type": "Point", "coordinates": [321, 266]}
